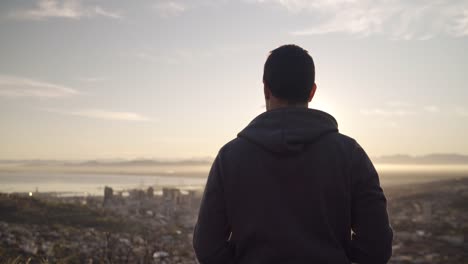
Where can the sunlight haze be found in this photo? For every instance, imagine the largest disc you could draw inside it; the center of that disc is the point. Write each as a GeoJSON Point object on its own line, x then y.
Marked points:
{"type": "Point", "coordinates": [178, 79]}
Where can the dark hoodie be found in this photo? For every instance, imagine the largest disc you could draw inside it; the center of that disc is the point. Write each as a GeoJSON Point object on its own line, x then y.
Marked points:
{"type": "Point", "coordinates": [290, 189]}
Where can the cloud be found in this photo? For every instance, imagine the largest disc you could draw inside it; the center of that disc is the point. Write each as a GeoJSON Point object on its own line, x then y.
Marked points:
{"type": "Point", "coordinates": [70, 9]}
{"type": "Point", "coordinates": [431, 108]}
{"type": "Point", "coordinates": [399, 104]}
{"type": "Point", "coordinates": [391, 124]}
{"type": "Point", "coordinates": [11, 86]}
{"type": "Point", "coordinates": [396, 19]}
{"type": "Point", "coordinates": [461, 24]}
{"type": "Point", "coordinates": [386, 112]}
{"type": "Point", "coordinates": [167, 9]}
{"type": "Point", "coordinates": [104, 114]}
{"type": "Point", "coordinates": [402, 109]}
{"type": "Point", "coordinates": [99, 11]}
{"type": "Point", "coordinates": [92, 79]}
{"type": "Point", "coordinates": [391, 109]}
{"type": "Point", "coordinates": [173, 8]}
{"type": "Point", "coordinates": [461, 111]}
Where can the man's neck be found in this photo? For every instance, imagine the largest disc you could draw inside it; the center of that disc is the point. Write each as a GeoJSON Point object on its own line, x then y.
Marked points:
{"type": "Point", "coordinates": [275, 106]}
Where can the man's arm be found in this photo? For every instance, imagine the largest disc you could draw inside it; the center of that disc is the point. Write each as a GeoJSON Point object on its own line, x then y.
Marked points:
{"type": "Point", "coordinates": [372, 235]}
{"type": "Point", "coordinates": [210, 238]}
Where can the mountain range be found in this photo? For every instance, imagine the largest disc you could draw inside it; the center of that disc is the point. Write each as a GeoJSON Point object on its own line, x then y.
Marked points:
{"type": "Point", "coordinates": [437, 159]}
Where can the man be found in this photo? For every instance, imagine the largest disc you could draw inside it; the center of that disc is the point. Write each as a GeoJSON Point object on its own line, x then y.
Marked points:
{"type": "Point", "coordinates": [290, 188]}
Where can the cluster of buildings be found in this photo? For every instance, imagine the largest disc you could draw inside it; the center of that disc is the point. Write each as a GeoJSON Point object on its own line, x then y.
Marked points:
{"type": "Point", "coordinates": [169, 205]}
{"type": "Point", "coordinates": [430, 225]}
{"type": "Point", "coordinates": [158, 230]}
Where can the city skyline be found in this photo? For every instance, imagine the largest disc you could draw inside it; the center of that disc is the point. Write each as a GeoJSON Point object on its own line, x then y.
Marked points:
{"type": "Point", "coordinates": [94, 79]}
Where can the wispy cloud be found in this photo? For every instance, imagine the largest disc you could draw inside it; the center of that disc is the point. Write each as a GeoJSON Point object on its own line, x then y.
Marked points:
{"type": "Point", "coordinates": [391, 109]}
{"type": "Point", "coordinates": [92, 79]}
{"type": "Point", "coordinates": [461, 24]}
{"type": "Point", "coordinates": [399, 104]}
{"type": "Point", "coordinates": [461, 111]}
{"type": "Point", "coordinates": [431, 108]}
{"type": "Point", "coordinates": [386, 112]}
{"type": "Point", "coordinates": [70, 9]}
{"type": "Point", "coordinates": [103, 114]}
{"type": "Point", "coordinates": [397, 19]}
{"type": "Point", "coordinates": [167, 9]}
{"type": "Point", "coordinates": [391, 124]}
{"type": "Point", "coordinates": [99, 11]}
{"type": "Point", "coordinates": [11, 86]}
{"type": "Point", "coordinates": [400, 109]}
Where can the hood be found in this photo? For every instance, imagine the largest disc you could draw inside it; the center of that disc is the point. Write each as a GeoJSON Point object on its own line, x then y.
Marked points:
{"type": "Point", "coordinates": [289, 130]}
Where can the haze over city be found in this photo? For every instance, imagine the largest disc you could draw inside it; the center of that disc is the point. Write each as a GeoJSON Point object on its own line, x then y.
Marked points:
{"type": "Point", "coordinates": [177, 79]}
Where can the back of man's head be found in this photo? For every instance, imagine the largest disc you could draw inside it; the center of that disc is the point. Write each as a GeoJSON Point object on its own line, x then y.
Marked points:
{"type": "Point", "coordinates": [289, 73]}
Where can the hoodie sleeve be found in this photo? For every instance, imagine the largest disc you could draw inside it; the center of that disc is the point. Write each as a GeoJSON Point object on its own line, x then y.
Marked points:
{"type": "Point", "coordinates": [211, 234]}
{"type": "Point", "coordinates": [372, 235]}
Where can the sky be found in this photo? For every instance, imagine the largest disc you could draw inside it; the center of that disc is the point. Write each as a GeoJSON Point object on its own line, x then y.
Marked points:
{"type": "Point", "coordinates": [171, 79]}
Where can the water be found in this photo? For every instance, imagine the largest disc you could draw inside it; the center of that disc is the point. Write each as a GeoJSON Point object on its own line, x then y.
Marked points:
{"type": "Point", "coordinates": [93, 184]}
{"type": "Point", "coordinates": [394, 175]}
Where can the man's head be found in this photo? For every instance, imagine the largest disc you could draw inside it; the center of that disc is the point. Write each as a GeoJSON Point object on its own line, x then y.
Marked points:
{"type": "Point", "coordinates": [288, 77]}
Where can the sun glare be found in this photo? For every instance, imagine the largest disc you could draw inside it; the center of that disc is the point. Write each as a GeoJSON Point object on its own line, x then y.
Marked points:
{"type": "Point", "coordinates": [322, 105]}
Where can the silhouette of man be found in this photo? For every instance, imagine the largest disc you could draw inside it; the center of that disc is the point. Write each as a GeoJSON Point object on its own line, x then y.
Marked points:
{"type": "Point", "coordinates": [290, 188]}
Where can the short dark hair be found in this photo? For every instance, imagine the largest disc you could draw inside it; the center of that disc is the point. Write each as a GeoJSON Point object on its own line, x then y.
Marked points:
{"type": "Point", "coordinates": [289, 72]}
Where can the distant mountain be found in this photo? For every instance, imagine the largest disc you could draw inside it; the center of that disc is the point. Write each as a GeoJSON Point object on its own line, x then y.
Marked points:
{"type": "Point", "coordinates": [438, 158]}
{"type": "Point", "coordinates": [146, 162]}
{"type": "Point", "coordinates": [33, 162]}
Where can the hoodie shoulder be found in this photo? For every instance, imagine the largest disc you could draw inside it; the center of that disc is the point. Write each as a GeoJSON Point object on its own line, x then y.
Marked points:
{"type": "Point", "coordinates": [349, 141]}
{"type": "Point", "coordinates": [236, 145]}
{"type": "Point", "coordinates": [288, 131]}
{"type": "Point", "coordinates": [344, 141]}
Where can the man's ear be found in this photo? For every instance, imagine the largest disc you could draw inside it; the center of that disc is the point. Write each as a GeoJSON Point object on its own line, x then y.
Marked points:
{"type": "Point", "coordinates": [266, 91]}
{"type": "Point", "coordinates": [312, 93]}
